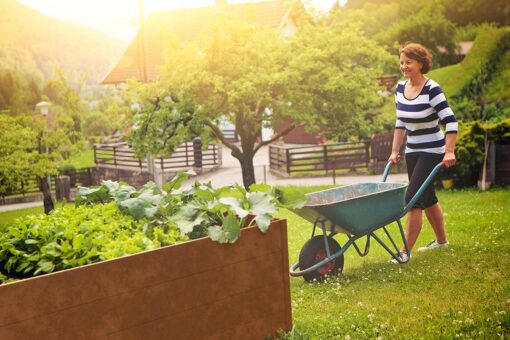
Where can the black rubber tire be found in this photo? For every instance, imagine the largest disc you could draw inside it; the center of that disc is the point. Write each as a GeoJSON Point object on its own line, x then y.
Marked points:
{"type": "Point", "coordinates": [313, 252]}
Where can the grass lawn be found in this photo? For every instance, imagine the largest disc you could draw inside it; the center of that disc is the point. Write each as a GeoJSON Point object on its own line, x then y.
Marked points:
{"type": "Point", "coordinates": [454, 78]}
{"type": "Point", "coordinates": [460, 292]}
{"type": "Point", "coordinates": [9, 216]}
{"type": "Point", "coordinates": [82, 160]}
{"type": "Point", "coordinates": [463, 291]}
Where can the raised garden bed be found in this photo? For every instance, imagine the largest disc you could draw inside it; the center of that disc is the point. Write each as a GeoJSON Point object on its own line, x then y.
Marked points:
{"type": "Point", "coordinates": [191, 290]}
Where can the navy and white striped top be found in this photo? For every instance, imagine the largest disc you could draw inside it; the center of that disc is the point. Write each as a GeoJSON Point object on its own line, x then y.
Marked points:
{"type": "Point", "coordinates": [420, 117]}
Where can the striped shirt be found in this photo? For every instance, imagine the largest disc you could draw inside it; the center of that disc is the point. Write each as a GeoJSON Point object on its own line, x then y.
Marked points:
{"type": "Point", "coordinates": [420, 117]}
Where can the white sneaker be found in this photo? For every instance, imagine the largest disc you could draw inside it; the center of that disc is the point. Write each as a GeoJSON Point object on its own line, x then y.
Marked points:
{"type": "Point", "coordinates": [433, 245]}
{"type": "Point", "coordinates": [403, 257]}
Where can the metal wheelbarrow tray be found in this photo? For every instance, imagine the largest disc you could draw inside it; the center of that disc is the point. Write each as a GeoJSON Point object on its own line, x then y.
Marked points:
{"type": "Point", "coordinates": [356, 210]}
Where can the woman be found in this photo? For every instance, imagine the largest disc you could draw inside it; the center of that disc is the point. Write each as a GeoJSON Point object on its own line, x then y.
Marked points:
{"type": "Point", "coordinates": [421, 105]}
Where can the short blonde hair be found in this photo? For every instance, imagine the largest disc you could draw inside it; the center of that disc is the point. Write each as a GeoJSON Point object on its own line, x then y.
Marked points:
{"type": "Point", "coordinates": [419, 53]}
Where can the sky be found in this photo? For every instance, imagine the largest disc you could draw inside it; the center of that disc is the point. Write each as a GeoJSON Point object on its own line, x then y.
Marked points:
{"type": "Point", "coordinates": [118, 18]}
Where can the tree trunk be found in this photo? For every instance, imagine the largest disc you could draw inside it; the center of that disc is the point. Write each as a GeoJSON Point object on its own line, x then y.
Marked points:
{"type": "Point", "coordinates": [248, 171]}
{"type": "Point", "coordinates": [45, 189]}
{"type": "Point", "coordinates": [248, 149]}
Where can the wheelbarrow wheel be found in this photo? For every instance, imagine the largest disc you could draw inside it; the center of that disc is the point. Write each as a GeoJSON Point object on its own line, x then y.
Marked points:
{"type": "Point", "coordinates": [313, 252]}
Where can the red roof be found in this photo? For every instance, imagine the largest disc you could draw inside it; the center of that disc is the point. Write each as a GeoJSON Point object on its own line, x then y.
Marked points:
{"type": "Point", "coordinates": [188, 24]}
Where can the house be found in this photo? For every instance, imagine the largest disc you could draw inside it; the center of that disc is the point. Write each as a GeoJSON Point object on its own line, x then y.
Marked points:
{"type": "Point", "coordinates": [144, 58]}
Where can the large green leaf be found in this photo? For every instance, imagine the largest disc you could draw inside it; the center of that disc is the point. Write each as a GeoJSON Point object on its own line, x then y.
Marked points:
{"type": "Point", "coordinates": [205, 192]}
{"type": "Point", "coordinates": [236, 191]}
{"type": "Point", "coordinates": [176, 182]}
{"type": "Point", "coordinates": [92, 195]}
{"type": "Point", "coordinates": [290, 198]}
{"type": "Point", "coordinates": [142, 206]}
{"type": "Point", "coordinates": [236, 204]}
{"type": "Point", "coordinates": [263, 221]}
{"type": "Point", "coordinates": [123, 193]}
{"type": "Point", "coordinates": [188, 217]}
{"type": "Point", "coordinates": [260, 187]}
{"type": "Point", "coordinates": [150, 187]}
{"type": "Point", "coordinates": [228, 232]}
{"type": "Point", "coordinates": [261, 203]}
{"type": "Point", "coordinates": [110, 185]}
{"type": "Point", "coordinates": [262, 206]}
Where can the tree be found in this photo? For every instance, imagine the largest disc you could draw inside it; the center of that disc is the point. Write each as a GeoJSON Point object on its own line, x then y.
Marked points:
{"type": "Point", "coordinates": [18, 91]}
{"type": "Point", "coordinates": [426, 24]}
{"type": "Point", "coordinates": [32, 145]}
{"type": "Point", "coordinates": [254, 77]}
{"type": "Point", "coordinates": [465, 12]}
{"type": "Point", "coordinates": [23, 153]}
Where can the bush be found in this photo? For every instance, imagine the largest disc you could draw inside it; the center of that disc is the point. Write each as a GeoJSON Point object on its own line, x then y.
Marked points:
{"type": "Point", "coordinates": [471, 146]}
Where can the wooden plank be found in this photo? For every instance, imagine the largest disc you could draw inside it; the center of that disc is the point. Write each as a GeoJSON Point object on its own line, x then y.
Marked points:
{"type": "Point", "coordinates": [192, 290]}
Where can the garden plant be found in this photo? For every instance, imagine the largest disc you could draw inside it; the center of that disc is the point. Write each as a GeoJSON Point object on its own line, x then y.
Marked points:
{"type": "Point", "coordinates": [115, 220]}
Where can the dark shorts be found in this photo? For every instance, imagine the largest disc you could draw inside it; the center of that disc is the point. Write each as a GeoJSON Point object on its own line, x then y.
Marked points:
{"type": "Point", "coordinates": [419, 166]}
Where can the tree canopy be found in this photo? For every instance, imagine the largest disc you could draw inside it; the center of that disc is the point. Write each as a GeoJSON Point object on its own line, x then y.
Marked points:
{"type": "Point", "coordinates": [254, 77]}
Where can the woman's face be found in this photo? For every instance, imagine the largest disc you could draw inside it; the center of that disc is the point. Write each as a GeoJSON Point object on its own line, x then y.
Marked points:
{"type": "Point", "coordinates": [409, 67]}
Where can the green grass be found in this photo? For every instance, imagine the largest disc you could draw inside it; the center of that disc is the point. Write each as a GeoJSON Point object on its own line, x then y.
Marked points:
{"type": "Point", "coordinates": [451, 78]}
{"type": "Point", "coordinates": [455, 77]}
{"type": "Point", "coordinates": [460, 292]}
{"type": "Point", "coordinates": [463, 291]}
{"type": "Point", "coordinates": [9, 216]}
{"type": "Point", "coordinates": [82, 160]}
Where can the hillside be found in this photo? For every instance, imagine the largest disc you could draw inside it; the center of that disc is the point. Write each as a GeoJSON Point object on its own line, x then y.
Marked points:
{"type": "Point", "coordinates": [32, 43]}
{"type": "Point", "coordinates": [483, 69]}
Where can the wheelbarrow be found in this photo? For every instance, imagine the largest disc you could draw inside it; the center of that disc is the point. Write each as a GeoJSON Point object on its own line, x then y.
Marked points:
{"type": "Point", "coordinates": [355, 210]}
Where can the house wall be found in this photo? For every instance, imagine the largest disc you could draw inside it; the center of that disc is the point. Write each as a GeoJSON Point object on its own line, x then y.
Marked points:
{"type": "Point", "coordinates": [298, 135]}
{"type": "Point", "coordinates": [135, 177]}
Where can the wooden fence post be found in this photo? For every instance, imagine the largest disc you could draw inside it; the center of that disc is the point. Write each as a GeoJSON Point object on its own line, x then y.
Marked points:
{"type": "Point", "coordinates": [367, 153]}
{"type": "Point", "coordinates": [89, 171]}
{"type": "Point", "coordinates": [197, 153]}
{"type": "Point", "coordinates": [95, 156]}
{"type": "Point", "coordinates": [115, 155]}
{"type": "Point", "coordinates": [186, 152]}
{"type": "Point", "coordinates": [214, 154]}
{"type": "Point", "coordinates": [287, 161]}
{"type": "Point", "coordinates": [325, 157]}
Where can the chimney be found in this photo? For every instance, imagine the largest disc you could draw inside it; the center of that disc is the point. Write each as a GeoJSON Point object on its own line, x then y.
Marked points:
{"type": "Point", "coordinates": [220, 3]}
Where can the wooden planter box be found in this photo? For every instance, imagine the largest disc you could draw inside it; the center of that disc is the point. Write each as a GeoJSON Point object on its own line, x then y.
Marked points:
{"type": "Point", "coordinates": [198, 289]}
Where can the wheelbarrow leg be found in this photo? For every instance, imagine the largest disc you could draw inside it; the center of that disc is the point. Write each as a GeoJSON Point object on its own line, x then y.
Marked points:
{"type": "Point", "coordinates": [394, 254]}
{"type": "Point", "coordinates": [391, 239]}
{"type": "Point", "coordinates": [324, 234]}
{"type": "Point", "coordinates": [367, 245]}
{"type": "Point", "coordinates": [408, 252]}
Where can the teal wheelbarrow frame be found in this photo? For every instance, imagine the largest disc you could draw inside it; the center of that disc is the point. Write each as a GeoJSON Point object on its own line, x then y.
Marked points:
{"type": "Point", "coordinates": [358, 211]}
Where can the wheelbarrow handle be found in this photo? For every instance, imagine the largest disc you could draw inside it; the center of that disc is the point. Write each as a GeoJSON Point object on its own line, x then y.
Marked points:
{"type": "Point", "coordinates": [386, 171]}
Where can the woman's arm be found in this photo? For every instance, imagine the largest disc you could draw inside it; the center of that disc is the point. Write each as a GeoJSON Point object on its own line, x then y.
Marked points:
{"type": "Point", "coordinates": [398, 139]}
{"type": "Point", "coordinates": [449, 155]}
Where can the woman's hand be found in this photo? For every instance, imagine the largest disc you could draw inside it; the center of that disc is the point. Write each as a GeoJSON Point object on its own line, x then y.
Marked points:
{"type": "Point", "coordinates": [449, 159]}
{"type": "Point", "coordinates": [395, 157]}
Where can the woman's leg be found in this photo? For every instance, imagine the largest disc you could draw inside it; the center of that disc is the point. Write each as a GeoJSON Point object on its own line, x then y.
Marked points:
{"type": "Point", "coordinates": [419, 167]}
{"type": "Point", "coordinates": [413, 227]}
{"type": "Point", "coordinates": [436, 220]}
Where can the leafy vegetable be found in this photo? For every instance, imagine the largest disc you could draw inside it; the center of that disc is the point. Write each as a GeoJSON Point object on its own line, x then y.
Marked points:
{"type": "Point", "coordinates": [74, 236]}
{"type": "Point", "coordinates": [114, 220]}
